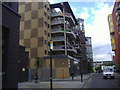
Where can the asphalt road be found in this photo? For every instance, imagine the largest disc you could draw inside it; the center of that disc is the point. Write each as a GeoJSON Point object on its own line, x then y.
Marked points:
{"type": "Point", "coordinates": [97, 81]}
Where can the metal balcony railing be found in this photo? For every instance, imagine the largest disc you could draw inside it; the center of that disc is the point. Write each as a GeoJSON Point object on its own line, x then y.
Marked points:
{"type": "Point", "coordinates": [62, 47]}
{"type": "Point", "coordinates": [58, 21]}
{"type": "Point", "coordinates": [60, 13]}
{"type": "Point", "coordinates": [69, 31]}
{"type": "Point", "coordinates": [61, 38]}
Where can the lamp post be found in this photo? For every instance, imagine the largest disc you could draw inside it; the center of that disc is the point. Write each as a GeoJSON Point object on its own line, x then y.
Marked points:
{"type": "Point", "coordinates": [51, 48]}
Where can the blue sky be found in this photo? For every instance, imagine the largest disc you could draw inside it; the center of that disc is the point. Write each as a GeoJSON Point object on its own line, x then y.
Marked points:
{"type": "Point", "coordinates": [95, 15]}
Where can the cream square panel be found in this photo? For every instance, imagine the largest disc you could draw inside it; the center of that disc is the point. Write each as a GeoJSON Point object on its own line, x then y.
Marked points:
{"type": "Point", "coordinates": [21, 26]}
{"type": "Point", "coordinates": [34, 42]}
{"type": "Point", "coordinates": [40, 13]}
{"type": "Point", "coordinates": [40, 32]}
{"type": "Point", "coordinates": [27, 34]}
{"type": "Point", "coordinates": [34, 5]}
{"type": "Point", "coordinates": [34, 23]}
{"type": "Point", "coordinates": [27, 16]}
{"type": "Point", "coordinates": [21, 8]}
{"type": "Point", "coordinates": [21, 42]}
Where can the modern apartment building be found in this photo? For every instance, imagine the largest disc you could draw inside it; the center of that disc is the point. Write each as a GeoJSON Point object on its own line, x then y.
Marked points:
{"type": "Point", "coordinates": [89, 48]}
{"type": "Point", "coordinates": [115, 32]}
{"type": "Point", "coordinates": [35, 30]}
{"type": "Point", "coordinates": [40, 23]}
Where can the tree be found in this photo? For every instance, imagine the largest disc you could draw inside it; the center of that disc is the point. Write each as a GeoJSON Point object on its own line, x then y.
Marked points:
{"type": "Point", "coordinates": [37, 62]}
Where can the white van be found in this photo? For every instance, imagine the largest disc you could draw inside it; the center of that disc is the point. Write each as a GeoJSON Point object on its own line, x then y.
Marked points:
{"type": "Point", "coordinates": [108, 72]}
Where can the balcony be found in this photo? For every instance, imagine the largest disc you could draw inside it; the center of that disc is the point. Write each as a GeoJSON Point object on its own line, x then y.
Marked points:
{"type": "Point", "coordinates": [60, 30]}
{"type": "Point", "coordinates": [62, 48]}
{"type": "Point", "coordinates": [68, 17]}
{"type": "Point", "coordinates": [58, 21]}
{"type": "Point", "coordinates": [61, 38]}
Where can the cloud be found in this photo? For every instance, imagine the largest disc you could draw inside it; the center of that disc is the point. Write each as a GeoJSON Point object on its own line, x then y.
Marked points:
{"type": "Point", "coordinates": [101, 52]}
{"type": "Point", "coordinates": [83, 15]}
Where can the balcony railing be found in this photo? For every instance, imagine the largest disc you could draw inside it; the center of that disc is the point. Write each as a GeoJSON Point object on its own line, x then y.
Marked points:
{"type": "Point", "coordinates": [67, 15]}
{"type": "Point", "coordinates": [60, 13]}
{"type": "Point", "coordinates": [62, 47]}
{"type": "Point", "coordinates": [69, 31]}
{"type": "Point", "coordinates": [61, 38]}
{"type": "Point", "coordinates": [59, 21]}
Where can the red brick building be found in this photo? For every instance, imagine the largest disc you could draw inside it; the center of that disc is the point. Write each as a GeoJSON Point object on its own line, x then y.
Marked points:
{"type": "Point", "coordinates": [116, 33]}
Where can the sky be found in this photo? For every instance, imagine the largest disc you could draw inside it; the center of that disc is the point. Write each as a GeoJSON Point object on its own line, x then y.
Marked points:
{"type": "Point", "coordinates": [95, 15]}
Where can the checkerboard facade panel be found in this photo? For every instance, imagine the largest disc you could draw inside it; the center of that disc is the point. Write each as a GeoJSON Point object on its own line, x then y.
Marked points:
{"type": "Point", "coordinates": [32, 28]}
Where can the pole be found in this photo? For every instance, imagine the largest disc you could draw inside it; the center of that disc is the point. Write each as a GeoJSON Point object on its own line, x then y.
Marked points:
{"type": "Point", "coordinates": [81, 71]}
{"type": "Point", "coordinates": [64, 29]}
{"type": "Point", "coordinates": [51, 69]}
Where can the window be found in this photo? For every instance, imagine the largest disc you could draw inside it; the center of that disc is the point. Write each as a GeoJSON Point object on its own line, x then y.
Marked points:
{"type": "Point", "coordinates": [45, 23]}
{"type": "Point", "coordinates": [45, 14]}
{"type": "Point", "coordinates": [45, 32]}
{"type": "Point", "coordinates": [48, 17]}
{"type": "Point", "coordinates": [45, 51]}
{"type": "Point", "coordinates": [48, 26]}
{"type": "Point", "coordinates": [45, 5]}
{"type": "Point", "coordinates": [49, 43]}
{"type": "Point", "coordinates": [48, 34]}
{"type": "Point", "coordinates": [45, 41]}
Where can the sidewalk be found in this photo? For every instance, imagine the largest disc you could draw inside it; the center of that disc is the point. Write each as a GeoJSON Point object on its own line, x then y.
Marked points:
{"type": "Point", "coordinates": [57, 83]}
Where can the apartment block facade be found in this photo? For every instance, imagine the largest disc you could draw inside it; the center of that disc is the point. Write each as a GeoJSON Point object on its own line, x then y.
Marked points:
{"type": "Point", "coordinates": [40, 23]}
{"type": "Point", "coordinates": [115, 32]}
{"type": "Point", "coordinates": [35, 29]}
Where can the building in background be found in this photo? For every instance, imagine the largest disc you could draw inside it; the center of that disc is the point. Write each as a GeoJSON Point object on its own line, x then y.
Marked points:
{"type": "Point", "coordinates": [40, 23]}
{"type": "Point", "coordinates": [89, 53]}
{"type": "Point", "coordinates": [114, 25]}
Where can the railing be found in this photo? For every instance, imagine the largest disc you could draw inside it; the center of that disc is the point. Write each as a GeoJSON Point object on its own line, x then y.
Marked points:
{"type": "Point", "coordinates": [58, 38]}
{"type": "Point", "coordinates": [57, 21]}
{"type": "Point", "coordinates": [62, 47]}
{"type": "Point", "coordinates": [60, 13]}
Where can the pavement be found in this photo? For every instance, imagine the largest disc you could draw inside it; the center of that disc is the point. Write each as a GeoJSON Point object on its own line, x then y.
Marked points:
{"type": "Point", "coordinates": [57, 83]}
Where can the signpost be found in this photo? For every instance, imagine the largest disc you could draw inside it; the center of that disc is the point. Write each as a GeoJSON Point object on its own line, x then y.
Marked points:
{"type": "Point", "coordinates": [51, 48]}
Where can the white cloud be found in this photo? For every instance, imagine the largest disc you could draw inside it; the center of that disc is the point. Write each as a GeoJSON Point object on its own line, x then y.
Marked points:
{"type": "Point", "coordinates": [83, 15]}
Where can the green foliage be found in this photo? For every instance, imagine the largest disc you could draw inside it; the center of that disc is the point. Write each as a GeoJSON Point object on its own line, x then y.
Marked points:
{"type": "Point", "coordinates": [37, 61]}
{"type": "Point", "coordinates": [110, 64]}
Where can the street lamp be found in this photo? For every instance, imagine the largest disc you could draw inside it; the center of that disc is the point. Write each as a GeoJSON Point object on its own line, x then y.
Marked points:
{"type": "Point", "coordinates": [51, 48]}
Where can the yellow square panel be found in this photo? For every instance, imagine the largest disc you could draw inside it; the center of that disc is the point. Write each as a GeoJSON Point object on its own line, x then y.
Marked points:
{"type": "Point", "coordinates": [40, 32]}
{"type": "Point", "coordinates": [21, 26]}
{"type": "Point", "coordinates": [34, 5]}
{"type": "Point", "coordinates": [40, 13]}
{"type": "Point", "coordinates": [34, 23]}
{"type": "Point", "coordinates": [27, 34]}
{"type": "Point", "coordinates": [27, 16]}
{"type": "Point", "coordinates": [34, 42]}
{"type": "Point", "coordinates": [21, 8]}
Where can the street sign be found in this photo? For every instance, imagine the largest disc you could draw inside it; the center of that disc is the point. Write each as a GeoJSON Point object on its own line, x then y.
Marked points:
{"type": "Point", "coordinates": [51, 45]}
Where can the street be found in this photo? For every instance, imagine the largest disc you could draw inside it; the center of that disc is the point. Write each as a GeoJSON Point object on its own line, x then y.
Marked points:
{"type": "Point", "coordinates": [97, 81]}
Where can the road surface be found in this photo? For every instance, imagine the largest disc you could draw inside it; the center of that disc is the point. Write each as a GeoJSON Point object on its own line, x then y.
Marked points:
{"type": "Point", "coordinates": [97, 81]}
